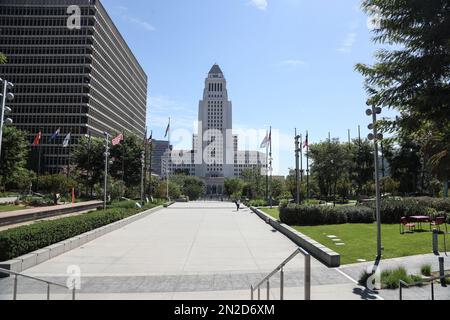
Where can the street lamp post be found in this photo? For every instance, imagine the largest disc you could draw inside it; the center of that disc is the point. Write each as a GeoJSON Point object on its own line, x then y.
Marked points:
{"type": "Point", "coordinates": [105, 187]}
{"type": "Point", "coordinates": [6, 96]}
{"type": "Point", "coordinates": [142, 176]}
{"type": "Point", "coordinates": [297, 165]}
{"type": "Point", "coordinates": [375, 137]}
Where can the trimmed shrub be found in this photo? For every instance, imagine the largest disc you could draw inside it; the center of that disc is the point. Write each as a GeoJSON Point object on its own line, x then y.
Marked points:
{"type": "Point", "coordinates": [293, 214]}
{"type": "Point", "coordinates": [359, 214]}
{"type": "Point", "coordinates": [324, 215]}
{"type": "Point", "coordinates": [393, 210]}
{"type": "Point", "coordinates": [26, 239]}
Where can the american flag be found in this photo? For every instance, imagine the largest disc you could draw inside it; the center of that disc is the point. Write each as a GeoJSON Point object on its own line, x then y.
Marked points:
{"type": "Point", "coordinates": [117, 140]}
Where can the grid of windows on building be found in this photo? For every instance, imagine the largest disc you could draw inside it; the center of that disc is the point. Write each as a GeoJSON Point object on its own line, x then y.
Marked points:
{"type": "Point", "coordinates": [81, 81]}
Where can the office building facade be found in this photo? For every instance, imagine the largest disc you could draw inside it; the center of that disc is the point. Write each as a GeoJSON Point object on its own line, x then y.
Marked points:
{"type": "Point", "coordinates": [80, 78]}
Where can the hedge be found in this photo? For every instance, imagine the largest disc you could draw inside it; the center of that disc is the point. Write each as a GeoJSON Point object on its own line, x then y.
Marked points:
{"type": "Point", "coordinates": [393, 210]}
{"type": "Point", "coordinates": [324, 215]}
{"type": "Point", "coordinates": [26, 239]}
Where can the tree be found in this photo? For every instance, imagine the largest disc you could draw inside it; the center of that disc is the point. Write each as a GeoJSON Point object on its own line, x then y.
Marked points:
{"type": "Point", "coordinates": [13, 172]}
{"type": "Point", "coordinates": [254, 183]}
{"type": "Point", "coordinates": [127, 160]}
{"type": "Point", "coordinates": [413, 77]}
{"type": "Point", "coordinates": [193, 188]}
{"type": "Point", "coordinates": [56, 184]}
{"type": "Point", "coordinates": [89, 159]}
{"type": "Point", "coordinates": [389, 185]}
{"type": "Point", "coordinates": [278, 188]}
{"type": "Point", "coordinates": [3, 58]}
{"type": "Point", "coordinates": [362, 169]}
{"type": "Point", "coordinates": [405, 164]}
{"type": "Point", "coordinates": [330, 160]}
{"type": "Point", "coordinates": [174, 190]}
{"type": "Point", "coordinates": [233, 185]}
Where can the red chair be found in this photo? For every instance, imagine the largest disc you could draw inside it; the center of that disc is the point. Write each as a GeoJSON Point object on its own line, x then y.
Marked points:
{"type": "Point", "coordinates": [438, 222]}
{"type": "Point", "coordinates": [406, 223]}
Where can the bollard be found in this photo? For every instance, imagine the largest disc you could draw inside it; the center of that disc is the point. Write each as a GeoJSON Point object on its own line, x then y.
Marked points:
{"type": "Point", "coordinates": [442, 272]}
{"type": "Point", "coordinates": [282, 285]}
{"type": "Point", "coordinates": [436, 242]}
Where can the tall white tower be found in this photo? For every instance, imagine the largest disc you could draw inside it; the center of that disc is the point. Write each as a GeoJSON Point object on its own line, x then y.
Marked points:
{"type": "Point", "coordinates": [215, 116]}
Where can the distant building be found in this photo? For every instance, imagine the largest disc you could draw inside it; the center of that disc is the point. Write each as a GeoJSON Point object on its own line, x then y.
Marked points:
{"type": "Point", "coordinates": [159, 150]}
{"type": "Point", "coordinates": [215, 157]}
{"type": "Point", "coordinates": [79, 80]}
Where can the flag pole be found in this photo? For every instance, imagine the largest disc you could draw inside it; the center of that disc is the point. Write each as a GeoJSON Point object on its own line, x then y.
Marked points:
{"type": "Point", "coordinates": [68, 162]}
{"type": "Point", "coordinates": [168, 160]}
{"type": "Point", "coordinates": [301, 160]}
{"type": "Point", "coordinates": [150, 165]}
{"type": "Point", "coordinates": [307, 165]}
{"type": "Point", "coordinates": [270, 168]}
{"type": "Point", "coordinates": [267, 172]}
{"type": "Point", "coordinates": [39, 165]}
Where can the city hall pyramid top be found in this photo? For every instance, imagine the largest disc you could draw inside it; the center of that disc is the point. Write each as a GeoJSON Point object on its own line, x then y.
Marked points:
{"type": "Point", "coordinates": [215, 69]}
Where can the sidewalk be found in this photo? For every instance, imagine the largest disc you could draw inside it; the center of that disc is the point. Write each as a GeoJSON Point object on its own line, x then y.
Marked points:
{"type": "Point", "coordinates": [13, 217]}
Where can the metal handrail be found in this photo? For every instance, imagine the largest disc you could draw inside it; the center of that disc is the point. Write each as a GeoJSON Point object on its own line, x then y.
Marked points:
{"type": "Point", "coordinates": [280, 269]}
{"type": "Point", "coordinates": [403, 284]}
{"type": "Point", "coordinates": [49, 283]}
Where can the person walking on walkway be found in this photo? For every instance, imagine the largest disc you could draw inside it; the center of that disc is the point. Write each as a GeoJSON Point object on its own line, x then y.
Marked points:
{"type": "Point", "coordinates": [238, 204]}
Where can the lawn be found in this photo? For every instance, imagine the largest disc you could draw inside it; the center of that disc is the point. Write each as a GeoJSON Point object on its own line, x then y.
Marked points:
{"type": "Point", "coordinates": [11, 207]}
{"type": "Point", "coordinates": [361, 241]}
{"type": "Point", "coordinates": [275, 213]}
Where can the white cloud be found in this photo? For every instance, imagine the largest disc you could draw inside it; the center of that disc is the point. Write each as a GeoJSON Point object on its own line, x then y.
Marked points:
{"type": "Point", "coordinates": [124, 14]}
{"type": "Point", "coordinates": [162, 107]}
{"type": "Point", "coordinates": [259, 4]}
{"type": "Point", "coordinates": [348, 43]}
{"type": "Point", "coordinates": [293, 63]}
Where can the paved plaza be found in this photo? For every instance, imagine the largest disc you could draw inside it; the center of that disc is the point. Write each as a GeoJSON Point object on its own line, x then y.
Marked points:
{"type": "Point", "coordinates": [197, 250]}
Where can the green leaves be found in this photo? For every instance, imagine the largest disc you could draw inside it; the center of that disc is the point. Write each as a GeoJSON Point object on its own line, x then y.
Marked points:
{"type": "Point", "coordinates": [413, 76]}
{"type": "Point", "coordinates": [3, 58]}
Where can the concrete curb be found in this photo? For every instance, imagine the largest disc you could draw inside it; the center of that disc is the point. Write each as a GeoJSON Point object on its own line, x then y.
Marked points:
{"type": "Point", "coordinates": [327, 256]}
{"type": "Point", "coordinates": [37, 257]}
{"type": "Point", "coordinates": [48, 212]}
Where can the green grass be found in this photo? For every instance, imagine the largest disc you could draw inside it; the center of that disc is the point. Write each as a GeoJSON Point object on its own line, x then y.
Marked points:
{"type": "Point", "coordinates": [361, 241]}
{"type": "Point", "coordinates": [275, 213]}
{"type": "Point", "coordinates": [11, 207]}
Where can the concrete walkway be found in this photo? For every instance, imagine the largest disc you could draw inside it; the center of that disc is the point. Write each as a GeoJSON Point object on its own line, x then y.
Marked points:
{"type": "Point", "coordinates": [413, 265]}
{"type": "Point", "coordinates": [198, 251]}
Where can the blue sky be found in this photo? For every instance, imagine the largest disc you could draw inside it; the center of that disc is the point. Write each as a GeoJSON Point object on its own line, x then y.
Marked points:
{"type": "Point", "coordinates": [288, 63]}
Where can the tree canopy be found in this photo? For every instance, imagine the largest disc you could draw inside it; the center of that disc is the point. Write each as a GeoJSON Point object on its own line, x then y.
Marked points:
{"type": "Point", "coordinates": [413, 76]}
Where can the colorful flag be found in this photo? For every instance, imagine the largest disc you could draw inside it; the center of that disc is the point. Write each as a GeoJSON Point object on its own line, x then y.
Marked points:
{"type": "Point", "coordinates": [167, 130]}
{"type": "Point", "coordinates": [306, 144]}
{"type": "Point", "coordinates": [37, 139]}
{"type": "Point", "coordinates": [265, 142]}
{"type": "Point", "coordinates": [66, 142]}
{"type": "Point", "coordinates": [150, 140]}
{"type": "Point", "coordinates": [56, 134]}
{"type": "Point", "coordinates": [117, 140]}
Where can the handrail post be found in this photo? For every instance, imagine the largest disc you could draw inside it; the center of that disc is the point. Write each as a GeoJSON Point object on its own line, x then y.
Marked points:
{"type": "Point", "coordinates": [268, 290]}
{"type": "Point", "coordinates": [282, 285]}
{"type": "Point", "coordinates": [48, 291]}
{"type": "Point", "coordinates": [15, 288]}
{"type": "Point", "coordinates": [251, 294]}
{"type": "Point", "coordinates": [307, 277]}
{"type": "Point", "coordinates": [259, 293]}
{"type": "Point", "coordinates": [432, 290]}
{"type": "Point", "coordinates": [401, 291]}
{"type": "Point", "coordinates": [73, 290]}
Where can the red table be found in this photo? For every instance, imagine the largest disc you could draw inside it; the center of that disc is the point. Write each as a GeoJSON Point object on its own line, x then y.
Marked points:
{"type": "Point", "coordinates": [420, 220]}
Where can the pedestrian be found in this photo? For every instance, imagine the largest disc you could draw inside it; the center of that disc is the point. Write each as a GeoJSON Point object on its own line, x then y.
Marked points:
{"type": "Point", "coordinates": [238, 204]}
